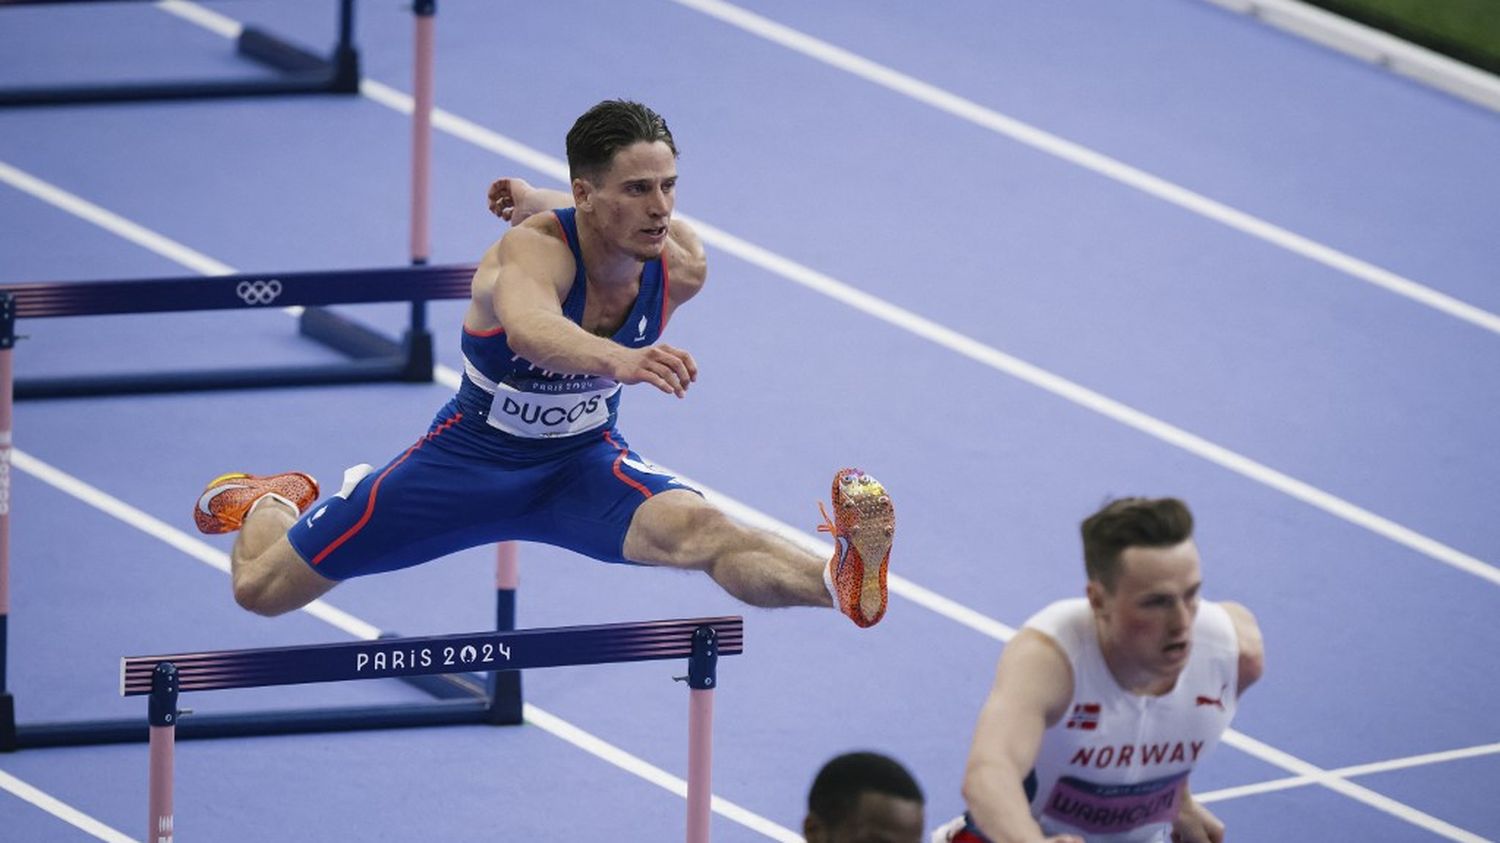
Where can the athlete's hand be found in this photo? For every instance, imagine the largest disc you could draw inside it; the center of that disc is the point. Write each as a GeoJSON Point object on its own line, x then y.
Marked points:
{"type": "Point", "coordinates": [668, 369]}
{"type": "Point", "coordinates": [508, 200]}
{"type": "Point", "coordinates": [1194, 824]}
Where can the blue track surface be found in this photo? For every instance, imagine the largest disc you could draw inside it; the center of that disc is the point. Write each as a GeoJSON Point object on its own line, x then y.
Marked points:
{"type": "Point", "coordinates": [1047, 334]}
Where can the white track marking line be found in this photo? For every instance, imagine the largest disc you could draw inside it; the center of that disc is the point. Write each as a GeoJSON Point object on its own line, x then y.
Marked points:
{"type": "Point", "coordinates": [339, 619]}
{"type": "Point", "coordinates": [62, 810]}
{"type": "Point", "coordinates": [1350, 772]}
{"type": "Point", "coordinates": [112, 222]}
{"type": "Point", "coordinates": [1088, 159]}
{"type": "Point", "coordinates": [1399, 810]}
{"type": "Point", "coordinates": [204, 17]}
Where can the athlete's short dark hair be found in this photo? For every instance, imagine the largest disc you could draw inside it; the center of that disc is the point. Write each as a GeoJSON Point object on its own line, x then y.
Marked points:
{"type": "Point", "coordinates": [1131, 522]}
{"type": "Point", "coordinates": [608, 128]}
{"type": "Point", "coordinates": [838, 786]}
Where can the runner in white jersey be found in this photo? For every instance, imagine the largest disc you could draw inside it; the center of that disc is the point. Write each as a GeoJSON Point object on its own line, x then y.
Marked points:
{"type": "Point", "coordinates": [1102, 706]}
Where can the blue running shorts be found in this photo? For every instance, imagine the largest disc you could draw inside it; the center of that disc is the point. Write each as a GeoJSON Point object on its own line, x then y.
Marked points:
{"type": "Point", "coordinates": [431, 501]}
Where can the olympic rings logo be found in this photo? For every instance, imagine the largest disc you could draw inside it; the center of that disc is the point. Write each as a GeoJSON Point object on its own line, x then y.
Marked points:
{"type": "Point", "coordinates": [258, 292]}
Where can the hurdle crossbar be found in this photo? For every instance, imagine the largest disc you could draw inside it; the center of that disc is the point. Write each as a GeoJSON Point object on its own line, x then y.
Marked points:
{"type": "Point", "coordinates": [411, 362]}
{"type": "Point", "coordinates": [700, 640]}
{"type": "Point", "coordinates": [301, 72]}
{"type": "Point", "coordinates": [464, 653]}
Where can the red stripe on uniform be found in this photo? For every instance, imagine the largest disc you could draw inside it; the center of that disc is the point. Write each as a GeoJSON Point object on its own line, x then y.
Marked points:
{"type": "Point", "coordinates": [666, 290]}
{"type": "Point", "coordinates": [620, 474]}
{"type": "Point", "coordinates": [375, 490]}
{"type": "Point", "coordinates": [498, 329]}
{"type": "Point", "coordinates": [563, 229]}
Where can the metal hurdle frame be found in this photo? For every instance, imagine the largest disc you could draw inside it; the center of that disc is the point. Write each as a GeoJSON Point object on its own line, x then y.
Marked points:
{"type": "Point", "coordinates": [411, 358]}
{"type": "Point", "coordinates": [302, 72]}
{"type": "Point", "coordinates": [40, 300]}
{"type": "Point", "coordinates": [376, 357]}
{"type": "Point", "coordinates": [700, 640]}
{"type": "Point", "coordinates": [458, 699]}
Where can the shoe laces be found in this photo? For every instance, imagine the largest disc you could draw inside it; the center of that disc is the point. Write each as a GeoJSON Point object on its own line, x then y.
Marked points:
{"type": "Point", "coordinates": [828, 526]}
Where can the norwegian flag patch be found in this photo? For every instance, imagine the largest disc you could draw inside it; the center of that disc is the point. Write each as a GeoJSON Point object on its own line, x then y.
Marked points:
{"type": "Point", "coordinates": [1085, 716]}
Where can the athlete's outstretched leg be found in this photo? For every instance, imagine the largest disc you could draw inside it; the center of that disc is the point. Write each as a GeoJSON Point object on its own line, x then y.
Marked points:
{"type": "Point", "coordinates": [679, 529]}
{"type": "Point", "coordinates": [269, 578]}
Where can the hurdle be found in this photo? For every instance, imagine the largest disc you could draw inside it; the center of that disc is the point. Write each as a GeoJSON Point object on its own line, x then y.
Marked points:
{"type": "Point", "coordinates": [494, 700]}
{"type": "Point", "coordinates": [414, 362]}
{"type": "Point", "coordinates": [301, 72]}
{"type": "Point", "coordinates": [374, 357]}
{"type": "Point", "coordinates": [700, 640]}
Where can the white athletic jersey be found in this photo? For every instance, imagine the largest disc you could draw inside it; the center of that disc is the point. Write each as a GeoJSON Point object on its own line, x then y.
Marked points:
{"type": "Point", "coordinates": [1111, 769]}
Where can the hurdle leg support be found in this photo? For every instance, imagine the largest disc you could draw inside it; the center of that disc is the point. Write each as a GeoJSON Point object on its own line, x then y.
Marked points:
{"type": "Point", "coordinates": [7, 404]}
{"type": "Point", "coordinates": [702, 679]}
{"type": "Point", "coordinates": [505, 686]}
{"type": "Point", "coordinates": [163, 718]}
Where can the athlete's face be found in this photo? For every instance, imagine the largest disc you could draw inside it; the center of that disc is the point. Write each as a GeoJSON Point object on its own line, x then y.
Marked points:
{"type": "Point", "coordinates": [631, 203]}
{"type": "Point", "coordinates": [1146, 621]}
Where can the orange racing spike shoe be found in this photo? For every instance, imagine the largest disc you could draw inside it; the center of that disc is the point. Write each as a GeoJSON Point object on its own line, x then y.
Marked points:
{"type": "Point", "coordinates": [228, 498]}
{"type": "Point", "coordinates": [863, 525]}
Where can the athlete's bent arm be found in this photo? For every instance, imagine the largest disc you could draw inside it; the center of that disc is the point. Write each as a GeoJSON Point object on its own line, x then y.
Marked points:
{"type": "Point", "coordinates": [525, 278]}
{"type": "Point", "coordinates": [534, 272]}
{"type": "Point", "coordinates": [516, 200]}
{"type": "Point", "coordinates": [1033, 685]}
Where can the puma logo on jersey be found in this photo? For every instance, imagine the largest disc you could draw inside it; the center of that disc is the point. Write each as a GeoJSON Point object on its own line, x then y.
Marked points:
{"type": "Point", "coordinates": [1216, 702]}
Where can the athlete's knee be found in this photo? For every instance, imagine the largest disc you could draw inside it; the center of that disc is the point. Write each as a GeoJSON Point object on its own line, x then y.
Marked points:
{"type": "Point", "coordinates": [275, 582]}
{"type": "Point", "coordinates": [254, 594]}
{"type": "Point", "coordinates": [688, 533]}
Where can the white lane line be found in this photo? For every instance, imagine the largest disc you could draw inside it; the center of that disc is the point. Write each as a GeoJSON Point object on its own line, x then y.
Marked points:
{"type": "Point", "coordinates": [62, 810]}
{"type": "Point", "coordinates": [204, 17]}
{"type": "Point", "coordinates": [339, 619]}
{"type": "Point", "coordinates": [117, 225]}
{"type": "Point", "coordinates": [572, 734]}
{"type": "Point", "coordinates": [112, 222]}
{"type": "Point", "coordinates": [1399, 810]}
{"type": "Point", "coordinates": [899, 585]}
{"type": "Point", "coordinates": [173, 537]}
{"type": "Point", "coordinates": [1350, 772]}
{"type": "Point", "coordinates": [1074, 153]}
